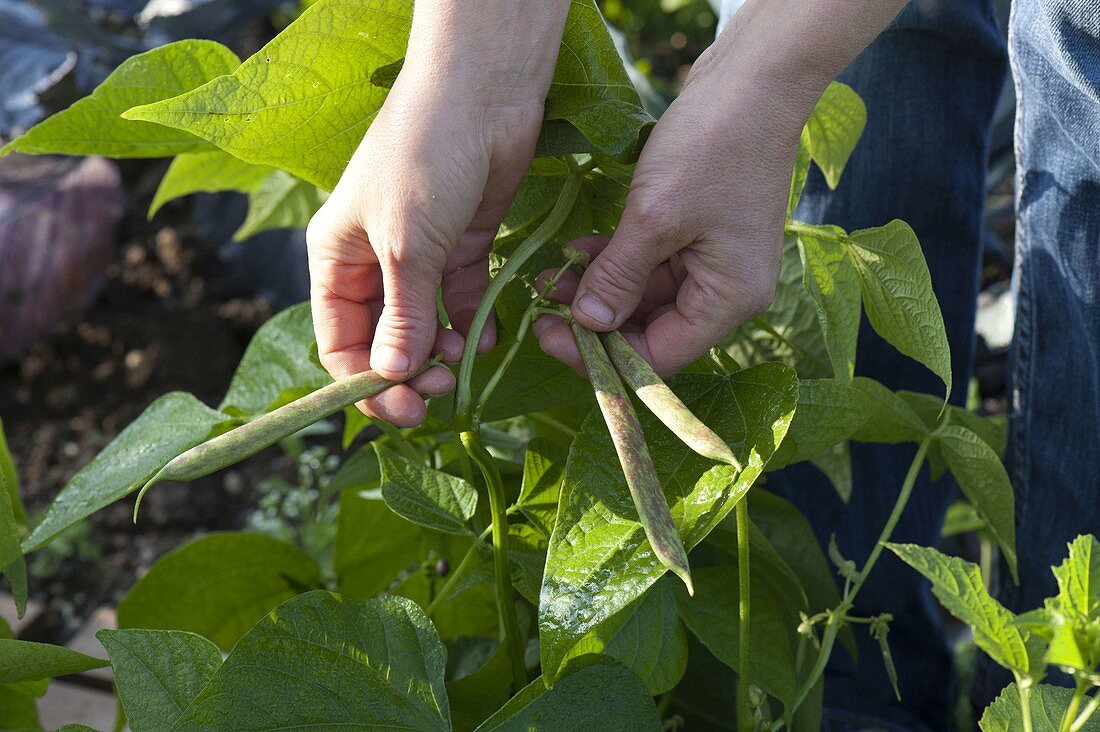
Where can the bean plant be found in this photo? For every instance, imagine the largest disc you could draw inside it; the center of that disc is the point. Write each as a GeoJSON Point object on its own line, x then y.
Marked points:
{"type": "Point", "coordinates": [544, 551]}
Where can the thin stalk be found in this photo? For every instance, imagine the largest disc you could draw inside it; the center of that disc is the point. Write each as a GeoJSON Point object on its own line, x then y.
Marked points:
{"type": "Point", "coordinates": [1086, 713]}
{"type": "Point", "coordinates": [1074, 704]}
{"type": "Point", "coordinates": [1024, 690]}
{"type": "Point", "coordinates": [838, 616]}
{"type": "Point", "coordinates": [819, 232]}
{"type": "Point", "coordinates": [554, 220]}
{"type": "Point", "coordinates": [744, 712]}
{"type": "Point", "coordinates": [521, 333]}
{"type": "Point", "coordinates": [506, 599]}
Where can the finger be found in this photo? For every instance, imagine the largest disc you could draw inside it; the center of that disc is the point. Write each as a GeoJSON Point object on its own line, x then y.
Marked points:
{"type": "Point", "coordinates": [448, 344]}
{"type": "Point", "coordinates": [616, 279]}
{"type": "Point", "coordinates": [556, 339]}
{"type": "Point", "coordinates": [564, 289]}
{"type": "Point", "coordinates": [703, 316]}
{"type": "Point", "coordinates": [343, 327]}
{"type": "Point", "coordinates": [407, 327]}
{"type": "Point", "coordinates": [464, 287]}
{"type": "Point", "coordinates": [399, 405]}
{"type": "Point", "coordinates": [436, 381]}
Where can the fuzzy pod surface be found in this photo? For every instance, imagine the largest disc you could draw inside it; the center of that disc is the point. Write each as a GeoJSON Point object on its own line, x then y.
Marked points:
{"type": "Point", "coordinates": [637, 464]}
{"type": "Point", "coordinates": [663, 402]}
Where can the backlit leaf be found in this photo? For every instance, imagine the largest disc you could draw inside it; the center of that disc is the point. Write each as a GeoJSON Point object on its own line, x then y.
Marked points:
{"type": "Point", "coordinates": [834, 128]}
{"type": "Point", "coordinates": [1047, 706]}
{"type": "Point", "coordinates": [207, 171]}
{"type": "Point", "coordinates": [828, 412]}
{"type": "Point", "coordinates": [281, 201]}
{"type": "Point", "coordinates": [93, 126]}
{"type": "Point", "coordinates": [543, 468]}
{"type": "Point", "coordinates": [833, 282]}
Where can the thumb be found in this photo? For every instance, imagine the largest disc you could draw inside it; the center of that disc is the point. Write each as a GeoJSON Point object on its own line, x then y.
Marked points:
{"type": "Point", "coordinates": [615, 282]}
{"type": "Point", "coordinates": [407, 326]}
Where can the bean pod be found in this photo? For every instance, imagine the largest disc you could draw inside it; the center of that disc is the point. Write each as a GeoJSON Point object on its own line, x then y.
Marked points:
{"type": "Point", "coordinates": [663, 402]}
{"type": "Point", "coordinates": [641, 475]}
{"type": "Point", "coordinates": [248, 439]}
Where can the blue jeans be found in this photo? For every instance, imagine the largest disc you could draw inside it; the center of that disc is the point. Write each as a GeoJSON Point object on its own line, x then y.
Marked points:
{"type": "Point", "coordinates": [931, 82]}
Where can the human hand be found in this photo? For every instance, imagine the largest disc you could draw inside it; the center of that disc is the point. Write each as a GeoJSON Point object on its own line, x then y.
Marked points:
{"type": "Point", "coordinates": [421, 200]}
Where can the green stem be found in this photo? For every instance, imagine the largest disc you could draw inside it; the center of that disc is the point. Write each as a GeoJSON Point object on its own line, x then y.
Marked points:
{"type": "Point", "coordinates": [554, 220]}
{"type": "Point", "coordinates": [1024, 690]}
{"type": "Point", "coordinates": [838, 615]}
{"type": "Point", "coordinates": [819, 232]}
{"type": "Point", "coordinates": [506, 599]}
{"type": "Point", "coordinates": [459, 572]}
{"type": "Point", "coordinates": [744, 713]}
{"type": "Point", "coordinates": [1086, 713]}
{"type": "Point", "coordinates": [1074, 704]}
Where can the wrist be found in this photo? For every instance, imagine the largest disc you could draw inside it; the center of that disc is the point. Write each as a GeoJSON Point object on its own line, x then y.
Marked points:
{"type": "Point", "coordinates": [492, 51]}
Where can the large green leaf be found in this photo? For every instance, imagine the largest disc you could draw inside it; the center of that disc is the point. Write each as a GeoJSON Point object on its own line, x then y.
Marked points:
{"type": "Point", "coordinates": [424, 495]}
{"type": "Point", "coordinates": [276, 368]}
{"type": "Point", "coordinates": [712, 616]}
{"type": "Point", "coordinates": [218, 586]}
{"type": "Point", "coordinates": [833, 282]}
{"type": "Point", "coordinates": [958, 586]}
{"type": "Point", "coordinates": [599, 560]}
{"type": "Point", "coordinates": [602, 695]}
{"type": "Point", "coordinates": [543, 469]}
{"type": "Point", "coordinates": [898, 296]}
{"type": "Point", "coordinates": [320, 662]}
{"type": "Point", "coordinates": [647, 637]}
{"type": "Point", "coordinates": [92, 126]}
{"type": "Point", "coordinates": [373, 545]}
{"type": "Point", "coordinates": [18, 709]}
{"type": "Point", "coordinates": [834, 128]}
{"type": "Point", "coordinates": [158, 673]}
{"type": "Point", "coordinates": [984, 481]}
{"type": "Point", "coordinates": [27, 661]}
{"type": "Point", "coordinates": [829, 412]}
{"type": "Point", "coordinates": [1048, 703]}
{"type": "Point", "coordinates": [207, 171]}
{"type": "Point", "coordinates": [890, 419]}
{"type": "Point", "coordinates": [281, 201]}
{"type": "Point", "coordinates": [172, 424]}
{"type": "Point", "coordinates": [930, 409]}
{"type": "Point", "coordinates": [1078, 578]}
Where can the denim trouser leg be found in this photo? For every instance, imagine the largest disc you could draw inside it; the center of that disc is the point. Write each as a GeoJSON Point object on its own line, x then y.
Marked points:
{"type": "Point", "coordinates": [1054, 439]}
{"type": "Point", "coordinates": [930, 82]}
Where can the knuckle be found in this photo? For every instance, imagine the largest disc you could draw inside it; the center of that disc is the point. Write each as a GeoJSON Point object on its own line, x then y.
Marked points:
{"type": "Point", "coordinates": [654, 212]}
{"type": "Point", "coordinates": [617, 275]}
{"type": "Point", "coordinates": [758, 298]}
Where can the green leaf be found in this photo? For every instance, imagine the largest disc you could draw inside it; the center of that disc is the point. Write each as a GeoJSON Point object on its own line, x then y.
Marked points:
{"type": "Point", "coordinates": [18, 709]}
{"type": "Point", "coordinates": [834, 128]}
{"type": "Point", "coordinates": [984, 482]}
{"type": "Point", "coordinates": [207, 171]}
{"type": "Point", "coordinates": [647, 637]}
{"type": "Point", "coordinates": [602, 695]}
{"type": "Point", "coordinates": [931, 411]}
{"type": "Point", "coordinates": [801, 170]}
{"type": "Point", "coordinates": [1078, 578]}
{"type": "Point", "coordinates": [321, 662]}
{"type": "Point", "coordinates": [12, 564]}
{"type": "Point", "coordinates": [711, 615]}
{"type": "Point", "coordinates": [961, 518]}
{"type": "Point", "coordinates": [297, 104]}
{"type": "Point", "coordinates": [898, 296]}
{"type": "Point", "coordinates": [833, 282]}
{"type": "Point", "coordinates": [172, 424]}
{"type": "Point", "coordinates": [218, 586]}
{"type": "Point", "coordinates": [92, 126]}
{"type": "Point", "coordinates": [891, 420]}
{"type": "Point", "coordinates": [836, 464]}
{"type": "Point", "coordinates": [426, 496]}
{"type": "Point", "coordinates": [27, 661]}
{"type": "Point", "coordinates": [158, 673]}
{"type": "Point", "coordinates": [599, 560]}
{"type": "Point", "coordinates": [828, 413]}
{"type": "Point", "coordinates": [276, 367]}
{"type": "Point", "coordinates": [1047, 705]}
{"type": "Point", "coordinates": [543, 470]}
{"type": "Point", "coordinates": [281, 201]}
{"type": "Point", "coordinates": [958, 586]}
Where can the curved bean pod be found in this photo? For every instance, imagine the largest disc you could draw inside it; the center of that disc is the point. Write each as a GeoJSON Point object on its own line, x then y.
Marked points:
{"type": "Point", "coordinates": [641, 475]}
{"type": "Point", "coordinates": [663, 402]}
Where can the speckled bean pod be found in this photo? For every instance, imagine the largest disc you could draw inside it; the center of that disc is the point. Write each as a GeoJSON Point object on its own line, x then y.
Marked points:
{"type": "Point", "coordinates": [663, 402]}
{"type": "Point", "coordinates": [641, 475]}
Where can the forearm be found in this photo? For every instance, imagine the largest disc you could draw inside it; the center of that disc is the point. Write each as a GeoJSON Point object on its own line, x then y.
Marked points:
{"type": "Point", "coordinates": [789, 50]}
{"type": "Point", "coordinates": [502, 50]}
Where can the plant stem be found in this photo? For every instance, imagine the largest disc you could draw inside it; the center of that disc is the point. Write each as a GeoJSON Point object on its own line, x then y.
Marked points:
{"type": "Point", "coordinates": [744, 714]}
{"type": "Point", "coordinates": [819, 232]}
{"type": "Point", "coordinates": [506, 599]}
{"type": "Point", "coordinates": [1024, 690]}
{"type": "Point", "coordinates": [1086, 713]}
{"type": "Point", "coordinates": [1074, 704]}
{"type": "Point", "coordinates": [838, 616]}
{"type": "Point", "coordinates": [459, 572]}
{"type": "Point", "coordinates": [542, 234]}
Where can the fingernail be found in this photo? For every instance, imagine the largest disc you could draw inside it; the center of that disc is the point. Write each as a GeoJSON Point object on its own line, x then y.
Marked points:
{"type": "Point", "coordinates": [389, 359]}
{"type": "Point", "coordinates": [596, 309]}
